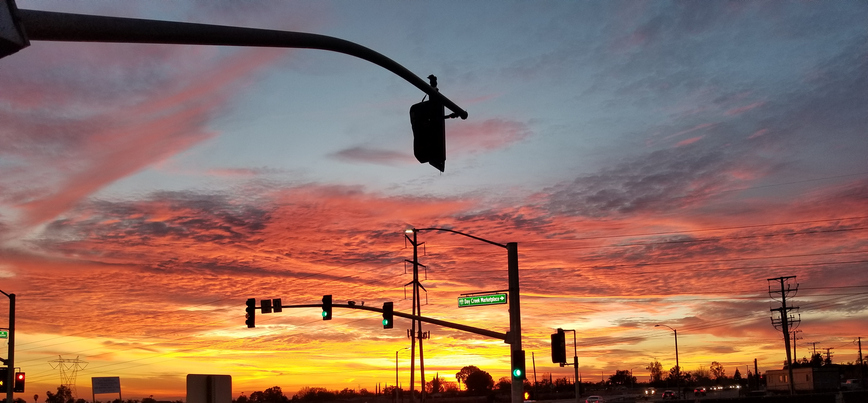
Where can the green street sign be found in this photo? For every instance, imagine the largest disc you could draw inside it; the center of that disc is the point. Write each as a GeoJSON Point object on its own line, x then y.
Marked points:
{"type": "Point", "coordinates": [4, 334]}
{"type": "Point", "coordinates": [479, 300]}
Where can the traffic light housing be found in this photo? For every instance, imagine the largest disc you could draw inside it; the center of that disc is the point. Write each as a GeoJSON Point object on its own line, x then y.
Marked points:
{"type": "Point", "coordinates": [251, 313]}
{"type": "Point", "coordinates": [266, 306]}
{"type": "Point", "coordinates": [277, 305]}
{"type": "Point", "coordinates": [4, 376]}
{"type": "Point", "coordinates": [428, 121]}
{"type": "Point", "coordinates": [559, 346]}
{"type": "Point", "coordinates": [19, 382]}
{"type": "Point", "coordinates": [518, 372]}
{"type": "Point", "coordinates": [326, 307]}
{"type": "Point", "coordinates": [388, 315]}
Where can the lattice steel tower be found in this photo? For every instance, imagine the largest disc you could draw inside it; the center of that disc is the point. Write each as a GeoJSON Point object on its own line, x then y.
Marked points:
{"type": "Point", "coordinates": [68, 370]}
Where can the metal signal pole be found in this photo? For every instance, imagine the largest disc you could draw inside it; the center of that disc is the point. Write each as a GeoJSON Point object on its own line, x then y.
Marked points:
{"type": "Point", "coordinates": [10, 358]}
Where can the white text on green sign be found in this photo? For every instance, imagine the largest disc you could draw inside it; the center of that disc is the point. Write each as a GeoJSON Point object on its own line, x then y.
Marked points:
{"type": "Point", "coordinates": [4, 334]}
{"type": "Point", "coordinates": [478, 300]}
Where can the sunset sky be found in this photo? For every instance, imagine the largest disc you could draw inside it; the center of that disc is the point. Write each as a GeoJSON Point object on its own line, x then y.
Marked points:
{"type": "Point", "coordinates": [656, 162]}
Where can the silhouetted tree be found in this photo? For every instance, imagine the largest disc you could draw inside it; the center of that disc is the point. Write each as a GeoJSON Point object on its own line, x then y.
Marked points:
{"type": "Point", "coordinates": [462, 375]}
{"type": "Point", "coordinates": [270, 395]}
{"type": "Point", "coordinates": [717, 371]}
{"type": "Point", "coordinates": [479, 382]}
{"type": "Point", "coordinates": [737, 376]}
{"type": "Point", "coordinates": [817, 360]}
{"type": "Point", "coordinates": [64, 395]}
{"type": "Point", "coordinates": [504, 384]}
{"type": "Point", "coordinates": [656, 371]}
{"type": "Point", "coordinates": [622, 377]}
{"type": "Point", "coordinates": [435, 385]}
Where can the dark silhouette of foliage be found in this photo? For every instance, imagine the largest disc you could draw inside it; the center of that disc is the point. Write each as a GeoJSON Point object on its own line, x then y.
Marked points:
{"type": "Point", "coordinates": [656, 371]}
{"type": "Point", "coordinates": [479, 382]}
{"type": "Point", "coordinates": [63, 395]}
{"type": "Point", "coordinates": [270, 395]}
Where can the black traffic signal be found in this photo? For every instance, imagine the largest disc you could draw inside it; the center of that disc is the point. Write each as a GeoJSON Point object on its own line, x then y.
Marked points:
{"type": "Point", "coordinates": [388, 316]}
{"type": "Point", "coordinates": [559, 346]}
{"type": "Point", "coordinates": [266, 306]}
{"type": "Point", "coordinates": [276, 305]}
{"type": "Point", "coordinates": [4, 376]}
{"type": "Point", "coordinates": [518, 373]}
{"type": "Point", "coordinates": [251, 313]}
{"type": "Point", "coordinates": [19, 382]}
{"type": "Point", "coordinates": [428, 120]}
{"type": "Point", "coordinates": [326, 307]}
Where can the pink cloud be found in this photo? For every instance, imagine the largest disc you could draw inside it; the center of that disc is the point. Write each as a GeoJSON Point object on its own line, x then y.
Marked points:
{"type": "Point", "coordinates": [690, 130]}
{"type": "Point", "coordinates": [488, 135]}
{"type": "Point", "coordinates": [122, 139]}
{"type": "Point", "coordinates": [758, 133]}
{"type": "Point", "coordinates": [743, 109]}
{"type": "Point", "coordinates": [689, 141]}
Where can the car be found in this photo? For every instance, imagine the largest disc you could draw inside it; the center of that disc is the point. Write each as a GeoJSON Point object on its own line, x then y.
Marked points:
{"type": "Point", "coordinates": [594, 399]}
{"type": "Point", "coordinates": [699, 391]}
{"type": "Point", "coordinates": [668, 394]}
{"type": "Point", "coordinates": [650, 392]}
{"type": "Point", "coordinates": [850, 384]}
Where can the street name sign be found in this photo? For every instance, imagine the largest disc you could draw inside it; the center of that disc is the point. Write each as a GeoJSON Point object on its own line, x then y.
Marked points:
{"type": "Point", "coordinates": [4, 334]}
{"type": "Point", "coordinates": [479, 300]}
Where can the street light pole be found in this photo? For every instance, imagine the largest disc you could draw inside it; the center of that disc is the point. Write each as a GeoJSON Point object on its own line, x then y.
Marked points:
{"type": "Point", "coordinates": [396, 374]}
{"type": "Point", "coordinates": [677, 366]}
{"type": "Point", "coordinates": [514, 335]}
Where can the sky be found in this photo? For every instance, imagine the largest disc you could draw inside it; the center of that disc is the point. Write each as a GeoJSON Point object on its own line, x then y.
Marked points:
{"type": "Point", "coordinates": [655, 162]}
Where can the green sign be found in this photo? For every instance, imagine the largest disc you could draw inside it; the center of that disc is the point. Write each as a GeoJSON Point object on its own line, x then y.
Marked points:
{"type": "Point", "coordinates": [4, 334]}
{"type": "Point", "coordinates": [478, 300]}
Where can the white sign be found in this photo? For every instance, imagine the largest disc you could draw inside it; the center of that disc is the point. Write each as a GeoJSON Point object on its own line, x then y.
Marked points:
{"type": "Point", "coordinates": [106, 384]}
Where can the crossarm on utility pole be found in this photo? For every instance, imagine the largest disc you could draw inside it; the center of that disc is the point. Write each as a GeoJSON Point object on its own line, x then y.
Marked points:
{"type": "Point", "coordinates": [67, 27]}
{"type": "Point", "coordinates": [451, 325]}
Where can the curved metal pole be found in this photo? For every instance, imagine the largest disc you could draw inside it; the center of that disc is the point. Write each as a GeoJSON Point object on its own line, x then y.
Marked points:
{"type": "Point", "coordinates": [67, 27]}
{"type": "Point", "coordinates": [461, 233]}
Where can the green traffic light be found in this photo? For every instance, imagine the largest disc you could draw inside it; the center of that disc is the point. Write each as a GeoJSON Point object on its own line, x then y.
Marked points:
{"type": "Point", "coordinates": [324, 314]}
{"type": "Point", "coordinates": [385, 322]}
{"type": "Point", "coordinates": [516, 372]}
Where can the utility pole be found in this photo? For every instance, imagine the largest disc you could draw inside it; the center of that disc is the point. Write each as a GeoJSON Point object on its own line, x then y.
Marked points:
{"type": "Point", "coordinates": [417, 310]}
{"type": "Point", "coordinates": [785, 319]}
{"type": "Point", "coordinates": [829, 354]}
{"type": "Point", "coordinates": [795, 337]}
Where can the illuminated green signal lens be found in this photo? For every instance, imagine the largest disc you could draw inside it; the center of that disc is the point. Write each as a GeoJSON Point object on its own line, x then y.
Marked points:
{"type": "Point", "coordinates": [516, 372]}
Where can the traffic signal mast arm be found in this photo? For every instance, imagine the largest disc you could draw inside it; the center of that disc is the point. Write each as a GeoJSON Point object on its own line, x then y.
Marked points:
{"type": "Point", "coordinates": [67, 27]}
{"type": "Point", "coordinates": [451, 325]}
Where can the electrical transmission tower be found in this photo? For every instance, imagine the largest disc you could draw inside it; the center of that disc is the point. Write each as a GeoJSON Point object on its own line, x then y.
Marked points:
{"type": "Point", "coordinates": [785, 321]}
{"type": "Point", "coordinates": [68, 370]}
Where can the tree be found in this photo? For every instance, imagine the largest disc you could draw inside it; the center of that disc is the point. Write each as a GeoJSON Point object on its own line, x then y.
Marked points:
{"type": "Point", "coordinates": [479, 381]}
{"type": "Point", "coordinates": [656, 371]}
{"type": "Point", "coordinates": [462, 375]}
{"type": "Point", "coordinates": [271, 395]}
{"type": "Point", "coordinates": [64, 395]}
{"type": "Point", "coordinates": [717, 371]}
{"type": "Point", "coordinates": [737, 376]}
{"type": "Point", "coordinates": [504, 384]}
{"type": "Point", "coordinates": [308, 393]}
{"type": "Point", "coordinates": [435, 385]}
{"type": "Point", "coordinates": [622, 377]}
